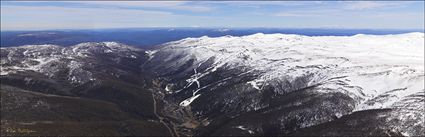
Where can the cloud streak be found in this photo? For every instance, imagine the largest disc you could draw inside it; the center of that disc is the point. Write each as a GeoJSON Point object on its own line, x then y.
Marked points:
{"type": "Point", "coordinates": [367, 5]}
{"type": "Point", "coordinates": [111, 14]}
{"type": "Point", "coordinates": [27, 17]}
{"type": "Point", "coordinates": [163, 5]}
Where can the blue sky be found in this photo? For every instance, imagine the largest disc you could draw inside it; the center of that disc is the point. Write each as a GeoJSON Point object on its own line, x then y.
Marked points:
{"type": "Point", "coordinates": [283, 14]}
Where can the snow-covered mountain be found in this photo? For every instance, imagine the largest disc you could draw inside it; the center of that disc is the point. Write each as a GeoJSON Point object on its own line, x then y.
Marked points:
{"type": "Point", "coordinates": [376, 71]}
{"type": "Point", "coordinates": [365, 66]}
{"type": "Point", "coordinates": [261, 84]}
{"type": "Point", "coordinates": [50, 59]}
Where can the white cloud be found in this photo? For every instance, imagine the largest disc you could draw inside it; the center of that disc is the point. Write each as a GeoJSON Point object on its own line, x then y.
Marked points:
{"type": "Point", "coordinates": [47, 17]}
{"type": "Point", "coordinates": [297, 14]}
{"type": "Point", "coordinates": [264, 3]}
{"type": "Point", "coordinates": [173, 5]}
{"type": "Point", "coordinates": [105, 14]}
{"type": "Point", "coordinates": [365, 5]}
{"type": "Point", "coordinates": [308, 13]}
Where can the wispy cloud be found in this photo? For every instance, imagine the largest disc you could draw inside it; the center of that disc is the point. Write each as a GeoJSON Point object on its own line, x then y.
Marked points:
{"type": "Point", "coordinates": [163, 5]}
{"type": "Point", "coordinates": [343, 9]}
{"type": "Point", "coordinates": [296, 14]}
{"type": "Point", "coordinates": [305, 13]}
{"type": "Point", "coordinates": [112, 14]}
{"type": "Point", "coordinates": [27, 17]}
{"type": "Point", "coordinates": [366, 5]}
{"type": "Point", "coordinates": [251, 4]}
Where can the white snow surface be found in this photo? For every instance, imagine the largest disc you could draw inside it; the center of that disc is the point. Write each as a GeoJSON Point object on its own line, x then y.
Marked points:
{"type": "Point", "coordinates": [245, 129]}
{"type": "Point", "coordinates": [368, 68]}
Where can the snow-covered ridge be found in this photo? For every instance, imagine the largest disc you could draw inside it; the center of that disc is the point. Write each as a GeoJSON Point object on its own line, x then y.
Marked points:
{"type": "Point", "coordinates": [41, 58]}
{"type": "Point", "coordinates": [379, 71]}
{"type": "Point", "coordinates": [108, 44]}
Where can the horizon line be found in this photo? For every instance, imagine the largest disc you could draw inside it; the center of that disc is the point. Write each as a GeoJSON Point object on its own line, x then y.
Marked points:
{"type": "Point", "coordinates": [212, 27]}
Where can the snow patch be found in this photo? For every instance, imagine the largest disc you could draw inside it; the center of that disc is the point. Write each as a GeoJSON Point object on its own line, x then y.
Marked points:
{"type": "Point", "coordinates": [187, 102]}
{"type": "Point", "coordinates": [245, 129]}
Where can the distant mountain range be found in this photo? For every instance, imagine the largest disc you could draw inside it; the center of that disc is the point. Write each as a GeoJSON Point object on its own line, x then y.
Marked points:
{"type": "Point", "coordinates": [148, 37]}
